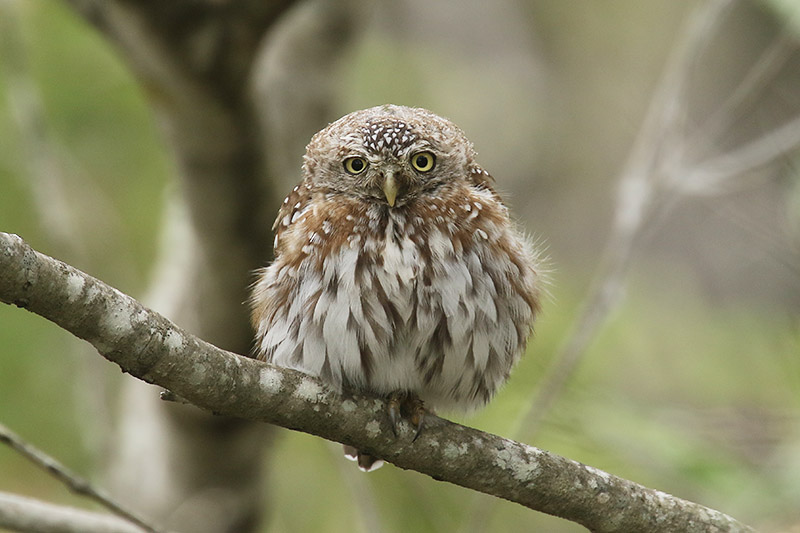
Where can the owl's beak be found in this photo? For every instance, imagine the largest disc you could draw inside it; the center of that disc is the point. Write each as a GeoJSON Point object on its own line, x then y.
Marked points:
{"type": "Point", "coordinates": [390, 188]}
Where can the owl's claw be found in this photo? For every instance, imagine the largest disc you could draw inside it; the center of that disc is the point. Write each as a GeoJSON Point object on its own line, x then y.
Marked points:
{"type": "Point", "coordinates": [407, 404]}
{"type": "Point", "coordinates": [416, 420]}
{"type": "Point", "coordinates": [395, 404]}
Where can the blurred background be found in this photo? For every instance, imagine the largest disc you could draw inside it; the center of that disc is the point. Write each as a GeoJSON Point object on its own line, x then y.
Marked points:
{"type": "Point", "coordinates": [650, 147]}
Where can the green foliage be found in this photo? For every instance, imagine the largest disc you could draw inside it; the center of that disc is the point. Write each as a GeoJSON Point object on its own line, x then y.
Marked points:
{"type": "Point", "coordinates": [100, 131]}
{"type": "Point", "coordinates": [787, 10]}
{"type": "Point", "coordinates": [687, 396]}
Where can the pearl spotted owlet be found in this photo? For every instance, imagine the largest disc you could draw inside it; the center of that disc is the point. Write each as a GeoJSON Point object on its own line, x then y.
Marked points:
{"type": "Point", "coordinates": [397, 270]}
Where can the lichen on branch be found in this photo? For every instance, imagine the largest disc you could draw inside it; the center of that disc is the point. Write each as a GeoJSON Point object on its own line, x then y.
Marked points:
{"type": "Point", "coordinates": [151, 348]}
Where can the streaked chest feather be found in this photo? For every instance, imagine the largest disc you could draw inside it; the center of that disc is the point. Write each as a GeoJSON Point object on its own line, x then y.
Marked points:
{"type": "Point", "coordinates": [383, 301]}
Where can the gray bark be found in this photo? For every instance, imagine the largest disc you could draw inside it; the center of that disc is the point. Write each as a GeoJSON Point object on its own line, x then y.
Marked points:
{"type": "Point", "coordinates": [151, 348]}
{"type": "Point", "coordinates": [18, 513]}
{"type": "Point", "coordinates": [197, 61]}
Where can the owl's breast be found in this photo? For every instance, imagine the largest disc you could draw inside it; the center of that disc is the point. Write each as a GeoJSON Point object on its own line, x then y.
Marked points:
{"type": "Point", "coordinates": [396, 256]}
{"type": "Point", "coordinates": [422, 300]}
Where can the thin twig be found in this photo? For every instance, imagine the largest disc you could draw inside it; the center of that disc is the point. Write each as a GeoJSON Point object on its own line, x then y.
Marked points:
{"type": "Point", "coordinates": [20, 513]}
{"type": "Point", "coordinates": [712, 173]}
{"type": "Point", "coordinates": [74, 482]}
{"type": "Point", "coordinates": [754, 82]}
{"type": "Point", "coordinates": [765, 236]}
{"type": "Point", "coordinates": [638, 185]}
{"type": "Point", "coordinates": [636, 199]}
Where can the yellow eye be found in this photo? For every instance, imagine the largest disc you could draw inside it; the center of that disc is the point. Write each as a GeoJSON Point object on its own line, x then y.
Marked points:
{"type": "Point", "coordinates": [423, 161]}
{"type": "Point", "coordinates": [355, 165]}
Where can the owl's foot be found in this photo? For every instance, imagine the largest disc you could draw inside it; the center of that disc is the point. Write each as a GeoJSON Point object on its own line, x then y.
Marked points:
{"type": "Point", "coordinates": [406, 404]}
{"type": "Point", "coordinates": [400, 404]}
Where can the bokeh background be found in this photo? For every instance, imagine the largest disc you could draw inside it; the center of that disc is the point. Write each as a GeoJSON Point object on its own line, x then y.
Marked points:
{"type": "Point", "coordinates": [688, 380]}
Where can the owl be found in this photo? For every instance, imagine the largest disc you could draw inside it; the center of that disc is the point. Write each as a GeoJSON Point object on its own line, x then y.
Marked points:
{"type": "Point", "coordinates": [397, 269]}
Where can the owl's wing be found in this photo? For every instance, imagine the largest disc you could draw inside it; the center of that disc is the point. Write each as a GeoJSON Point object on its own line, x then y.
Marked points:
{"type": "Point", "coordinates": [480, 178]}
{"type": "Point", "coordinates": [293, 206]}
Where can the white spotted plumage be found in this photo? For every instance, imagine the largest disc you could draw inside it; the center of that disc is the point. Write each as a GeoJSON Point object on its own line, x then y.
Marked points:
{"type": "Point", "coordinates": [434, 294]}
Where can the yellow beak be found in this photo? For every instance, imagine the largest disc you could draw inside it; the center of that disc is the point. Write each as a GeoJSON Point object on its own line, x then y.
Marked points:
{"type": "Point", "coordinates": [390, 189]}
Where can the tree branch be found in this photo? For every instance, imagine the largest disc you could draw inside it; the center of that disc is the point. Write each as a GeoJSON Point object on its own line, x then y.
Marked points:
{"type": "Point", "coordinates": [18, 513]}
{"type": "Point", "coordinates": [198, 62]}
{"type": "Point", "coordinates": [149, 347]}
{"type": "Point", "coordinates": [74, 482]}
{"type": "Point", "coordinates": [637, 188]}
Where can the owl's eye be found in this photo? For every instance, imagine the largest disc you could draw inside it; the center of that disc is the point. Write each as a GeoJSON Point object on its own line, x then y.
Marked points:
{"type": "Point", "coordinates": [355, 165]}
{"type": "Point", "coordinates": [423, 161]}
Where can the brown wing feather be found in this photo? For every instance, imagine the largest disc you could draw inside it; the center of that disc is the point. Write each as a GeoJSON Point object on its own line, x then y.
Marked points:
{"type": "Point", "coordinates": [294, 203]}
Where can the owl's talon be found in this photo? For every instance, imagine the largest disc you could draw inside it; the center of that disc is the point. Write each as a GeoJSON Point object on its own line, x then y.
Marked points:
{"type": "Point", "coordinates": [417, 421]}
{"type": "Point", "coordinates": [417, 418]}
{"type": "Point", "coordinates": [395, 405]}
{"type": "Point", "coordinates": [406, 404]}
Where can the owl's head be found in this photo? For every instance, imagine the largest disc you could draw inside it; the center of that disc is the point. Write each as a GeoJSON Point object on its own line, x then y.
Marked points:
{"type": "Point", "coordinates": [388, 154]}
